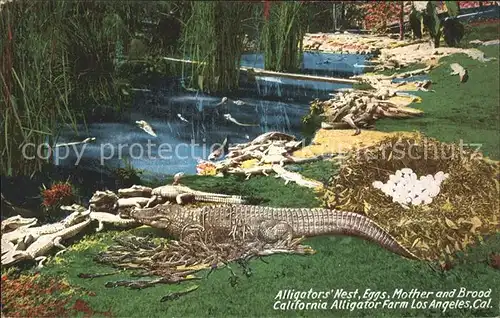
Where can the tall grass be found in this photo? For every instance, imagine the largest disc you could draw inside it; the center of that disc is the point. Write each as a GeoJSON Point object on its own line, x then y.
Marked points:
{"type": "Point", "coordinates": [282, 34]}
{"type": "Point", "coordinates": [35, 83]}
{"type": "Point", "coordinates": [58, 62]}
{"type": "Point", "coordinates": [213, 35]}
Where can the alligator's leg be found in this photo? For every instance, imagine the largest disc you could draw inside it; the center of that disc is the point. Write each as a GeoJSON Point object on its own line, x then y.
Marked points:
{"type": "Point", "coordinates": [100, 227]}
{"type": "Point", "coordinates": [23, 243]}
{"type": "Point", "coordinates": [57, 243]}
{"type": "Point", "coordinates": [151, 201]}
{"type": "Point", "coordinates": [348, 119]}
{"type": "Point", "coordinates": [277, 233]}
{"type": "Point", "coordinates": [191, 232]}
{"type": "Point", "coordinates": [40, 260]}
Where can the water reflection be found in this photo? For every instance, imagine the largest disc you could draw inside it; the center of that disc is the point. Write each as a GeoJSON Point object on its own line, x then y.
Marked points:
{"type": "Point", "coordinates": [269, 102]}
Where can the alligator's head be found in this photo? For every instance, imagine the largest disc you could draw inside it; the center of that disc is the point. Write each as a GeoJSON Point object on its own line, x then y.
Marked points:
{"type": "Point", "coordinates": [76, 217]}
{"type": "Point", "coordinates": [161, 216]}
{"type": "Point", "coordinates": [17, 221]}
{"type": "Point", "coordinates": [14, 256]}
{"type": "Point", "coordinates": [103, 198]}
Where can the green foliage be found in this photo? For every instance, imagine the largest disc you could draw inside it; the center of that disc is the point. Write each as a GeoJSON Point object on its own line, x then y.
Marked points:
{"type": "Point", "coordinates": [127, 175]}
{"type": "Point", "coordinates": [433, 23]}
{"type": "Point", "coordinates": [416, 23]}
{"type": "Point", "coordinates": [282, 35]}
{"type": "Point", "coordinates": [312, 121]}
{"type": "Point", "coordinates": [137, 49]}
{"type": "Point", "coordinates": [453, 32]}
{"type": "Point", "coordinates": [453, 8]}
{"type": "Point", "coordinates": [452, 29]}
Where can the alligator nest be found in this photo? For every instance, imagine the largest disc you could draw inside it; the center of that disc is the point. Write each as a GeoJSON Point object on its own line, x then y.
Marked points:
{"type": "Point", "coordinates": [463, 212]}
{"type": "Point", "coordinates": [176, 261]}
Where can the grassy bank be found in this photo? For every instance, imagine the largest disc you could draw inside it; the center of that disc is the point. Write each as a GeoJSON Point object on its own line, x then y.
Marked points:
{"type": "Point", "coordinates": [459, 111]}
{"type": "Point", "coordinates": [340, 262]}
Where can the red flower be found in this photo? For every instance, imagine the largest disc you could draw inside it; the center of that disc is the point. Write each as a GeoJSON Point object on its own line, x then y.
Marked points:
{"type": "Point", "coordinates": [56, 194]}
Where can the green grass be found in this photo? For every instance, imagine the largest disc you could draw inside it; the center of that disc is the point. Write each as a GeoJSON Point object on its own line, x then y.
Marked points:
{"type": "Point", "coordinates": [340, 262]}
{"type": "Point", "coordinates": [480, 32]}
{"type": "Point", "coordinates": [459, 111]}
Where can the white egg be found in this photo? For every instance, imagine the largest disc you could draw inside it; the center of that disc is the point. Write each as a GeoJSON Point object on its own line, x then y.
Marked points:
{"type": "Point", "coordinates": [399, 174]}
{"type": "Point", "coordinates": [377, 184]}
{"type": "Point", "coordinates": [439, 174]}
{"type": "Point", "coordinates": [406, 171]}
{"type": "Point", "coordinates": [428, 201]}
{"type": "Point", "coordinates": [386, 188]}
{"type": "Point", "coordinates": [425, 194]}
{"type": "Point", "coordinates": [408, 200]}
{"type": "Point", "coordinates": [446, 176]}
{"type": "Point", "coordinates": [417, 187]}
{"type": "Point", "coordinates": [416, 201]}
{"type": "Point", "coordinates": [434, 191]}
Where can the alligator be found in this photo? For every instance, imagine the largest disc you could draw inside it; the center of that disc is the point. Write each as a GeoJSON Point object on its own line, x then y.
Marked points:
{"type": "Point", "coordinates": [17, 221]}
{"type": "Point", "coordinates": [278, 226]}
{"type": "Point", "coordinates": [182, 194]}
{"type": "Point", "coordinates": [43, 244]}
{"type": "Point", "coordinates": [7, 246]}
{"type": "Point", "coordinates": [116, 220]}
{"type": "Point", "coordinates": [23, 233]}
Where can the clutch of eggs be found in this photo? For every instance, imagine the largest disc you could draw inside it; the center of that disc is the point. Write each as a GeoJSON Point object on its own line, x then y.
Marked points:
{"type": "Point", "coordinates": [406, 188]}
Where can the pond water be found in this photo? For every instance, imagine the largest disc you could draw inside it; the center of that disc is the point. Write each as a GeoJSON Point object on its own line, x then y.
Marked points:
{"type": "Point", "coordinates": [270, 103]}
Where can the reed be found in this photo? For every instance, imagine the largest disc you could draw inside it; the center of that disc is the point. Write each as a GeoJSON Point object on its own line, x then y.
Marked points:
{"type": "Point", "coordinates": [213, 35]}
{"type": "Point", "coordinates": [35, 85]}
{"type": "Point", "coordinates": [57, 59]}
{"type": "Point", "coordinates": [282, 33]}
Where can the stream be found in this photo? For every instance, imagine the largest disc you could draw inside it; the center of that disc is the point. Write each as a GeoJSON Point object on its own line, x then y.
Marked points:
{"type": "Point", "coordinates": [270, 103]}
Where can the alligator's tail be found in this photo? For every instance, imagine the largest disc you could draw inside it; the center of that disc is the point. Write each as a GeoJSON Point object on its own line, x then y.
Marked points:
{"type": "Point", "coordinates": [224, 199]}
{"type": "Point", "coordinates": [354, 224]}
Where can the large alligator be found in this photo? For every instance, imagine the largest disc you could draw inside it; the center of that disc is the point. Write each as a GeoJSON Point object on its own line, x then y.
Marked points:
{"type": "Point", "coordinates": [276, 226]}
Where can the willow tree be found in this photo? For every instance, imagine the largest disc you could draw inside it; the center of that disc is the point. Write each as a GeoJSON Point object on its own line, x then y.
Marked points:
{"type": "Point", "coordinates": [282, 32]}
{"type": "Point", "coordinates": [213, 37]}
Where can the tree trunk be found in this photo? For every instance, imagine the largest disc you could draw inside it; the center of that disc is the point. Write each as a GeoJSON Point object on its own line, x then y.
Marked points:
{"type": "Point", "coordinates": [334, 15]}
{"type": "Point", "coordinates": [401, 21]}
{"type": "Point", "coordinates": [342, 15]}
